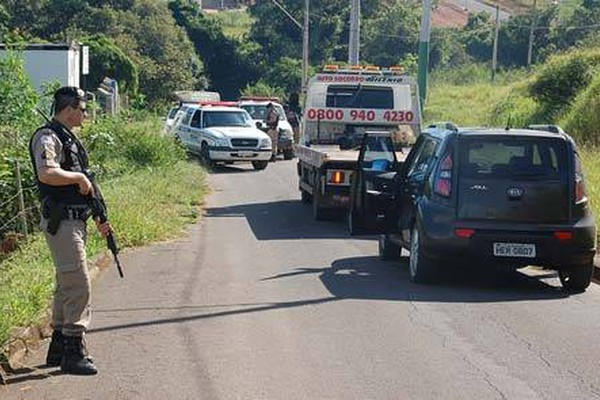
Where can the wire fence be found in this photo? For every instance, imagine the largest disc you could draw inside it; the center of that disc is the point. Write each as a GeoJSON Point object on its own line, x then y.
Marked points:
{"type": "Point", "coordinates": [19, 208]}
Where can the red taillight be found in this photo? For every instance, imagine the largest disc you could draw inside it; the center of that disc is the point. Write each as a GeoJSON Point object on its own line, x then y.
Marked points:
{"type": "Point", "coordinates": [563, 235]}
{"type": "Point", "coordinates": [443, 181]}
{"type": "Point", "coordinates": [336, 177]}
{"type": "Point", "coordinates": [580, 190]}
{"type": "Point", "coordinates": [464, 233]}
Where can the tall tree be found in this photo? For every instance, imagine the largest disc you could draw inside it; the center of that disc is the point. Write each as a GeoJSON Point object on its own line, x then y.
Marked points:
{"type": "Point", "coordinates": [228, 70]}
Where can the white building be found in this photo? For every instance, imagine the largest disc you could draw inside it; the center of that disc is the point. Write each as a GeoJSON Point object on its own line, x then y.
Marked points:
{"type": "Point", "coordinates": [48, 63]}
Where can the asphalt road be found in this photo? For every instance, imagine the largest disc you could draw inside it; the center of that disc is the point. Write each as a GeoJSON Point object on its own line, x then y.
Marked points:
{"type": "Point", "coordinates": [260, 302]}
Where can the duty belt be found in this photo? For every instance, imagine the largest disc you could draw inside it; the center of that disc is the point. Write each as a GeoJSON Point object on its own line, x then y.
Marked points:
{"type": "Point", "coordinates": [76, 212]}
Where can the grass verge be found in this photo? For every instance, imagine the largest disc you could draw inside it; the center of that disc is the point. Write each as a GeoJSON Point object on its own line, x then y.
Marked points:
{"type": "Point", "coordinates": [145, 206]}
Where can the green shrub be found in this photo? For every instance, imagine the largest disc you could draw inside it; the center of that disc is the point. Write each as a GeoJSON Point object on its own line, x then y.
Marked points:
{"type": "Point", "coordinates": [516, 108]}
{"type": "Point", "coordinates": [583, 119]}
{"type": "Point", "coordinates": [562, 78]}
{"type": "Point", "coordinates": [121, 144]}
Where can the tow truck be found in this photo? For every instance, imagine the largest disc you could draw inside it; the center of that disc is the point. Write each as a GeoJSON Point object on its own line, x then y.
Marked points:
{"type": "Point", "coordinates": [342, 104]}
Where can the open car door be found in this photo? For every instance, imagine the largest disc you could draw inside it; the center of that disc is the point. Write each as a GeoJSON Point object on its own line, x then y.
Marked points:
{"type": "Point", "coordinates": [372, 192]}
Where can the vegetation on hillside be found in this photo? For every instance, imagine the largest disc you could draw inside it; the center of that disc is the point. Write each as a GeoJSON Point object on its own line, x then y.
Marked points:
{"type": "Point", "coordinates": [137, 41]}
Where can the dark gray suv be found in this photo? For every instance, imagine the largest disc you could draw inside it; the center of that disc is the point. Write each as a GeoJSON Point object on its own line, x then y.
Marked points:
{"type": "Point", "coordinates": [499, 196]}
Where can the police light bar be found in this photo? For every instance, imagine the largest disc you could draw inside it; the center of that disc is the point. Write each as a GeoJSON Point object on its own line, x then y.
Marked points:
{"type": "Point", "coordinates": [218, 103]}
{"type": "Point", "coordinates": [260, 98]}
{"type": "Point", "coordinates": [364, 69]}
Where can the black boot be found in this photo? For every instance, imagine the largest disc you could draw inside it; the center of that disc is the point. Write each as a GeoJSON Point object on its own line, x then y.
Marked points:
{"type": "Point", "coordinates": [55, 351]}
{"type": "Point", "coordinates": [74, 360]}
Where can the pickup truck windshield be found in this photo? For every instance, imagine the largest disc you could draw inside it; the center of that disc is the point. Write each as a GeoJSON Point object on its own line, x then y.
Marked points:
{"type": "Point", "coordinates": [226, 118]}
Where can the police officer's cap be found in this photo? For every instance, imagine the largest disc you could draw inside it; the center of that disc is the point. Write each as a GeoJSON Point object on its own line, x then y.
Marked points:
{"type": "Point", "coordinates": [71, 92]}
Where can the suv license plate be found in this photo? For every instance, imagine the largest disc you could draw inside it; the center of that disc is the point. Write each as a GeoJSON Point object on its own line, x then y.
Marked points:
{"type": "Point", "coordinates": [514, 250]}
{"type": "Point", "coordinates": [245, 153]}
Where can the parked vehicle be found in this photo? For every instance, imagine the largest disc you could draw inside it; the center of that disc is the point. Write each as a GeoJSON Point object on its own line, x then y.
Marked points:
{"type": "Point", "coordinates": [170, 119]}
{"type": "Point", "coordinates": [218, 132]}
{"type": "Point", "coordinates": [513, 197]}
{"type": "Point", "coordinates": [340, 106]}
{"type": "Point", "coordinates": [257, 108]}
{"type": "Point", "coordinates": [184, 98]}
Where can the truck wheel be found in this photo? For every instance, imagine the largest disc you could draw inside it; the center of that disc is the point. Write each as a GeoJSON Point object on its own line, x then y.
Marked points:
{"type": "Point", "coordinates": [421, 268]}
{"type": "Point", "coordinates": [205, 155]}
{"type": "Point", "coordinates": [305, 197]}
{"type": "Point", "coordinates": [576, 279]}
{"type": "Point", "coordinates": [388, 250]}
{"type": "Point", "coordinates": [354, 223]}
{"type": "Point", "coordinates": [288, 154]}
{"type": "Point", "coordinates": [260, 165]}
{"type": "Point", "coordinates": [317, 211]}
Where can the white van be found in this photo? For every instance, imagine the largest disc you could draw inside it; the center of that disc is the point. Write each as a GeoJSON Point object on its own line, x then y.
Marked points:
{"type": "Point", "coordinates": [219, 133]}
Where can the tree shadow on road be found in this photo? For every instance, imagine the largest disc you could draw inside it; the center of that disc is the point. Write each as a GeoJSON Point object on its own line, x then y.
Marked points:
{"type": "Point", "coordinates": [373, 279]}
{"type": "Point", "coordinates": [285, 219]}
{"type": "Point", "coordinates": [368, 278]}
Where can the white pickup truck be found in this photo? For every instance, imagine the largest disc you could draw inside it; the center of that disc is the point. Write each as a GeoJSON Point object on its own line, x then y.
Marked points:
{"type": "Point", "coordinates": [220, 133]}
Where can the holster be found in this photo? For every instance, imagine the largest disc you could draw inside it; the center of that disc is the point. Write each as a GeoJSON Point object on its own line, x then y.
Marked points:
{"type": "Point", "coordinates": [53, 212]}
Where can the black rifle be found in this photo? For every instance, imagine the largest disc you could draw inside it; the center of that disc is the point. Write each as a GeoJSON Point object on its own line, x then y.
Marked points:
{"type": "Point", "coordinates": [97, 206]}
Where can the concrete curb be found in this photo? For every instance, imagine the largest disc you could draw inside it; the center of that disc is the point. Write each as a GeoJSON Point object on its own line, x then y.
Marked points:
{"type": "Point", "coordinates": [31, 337]}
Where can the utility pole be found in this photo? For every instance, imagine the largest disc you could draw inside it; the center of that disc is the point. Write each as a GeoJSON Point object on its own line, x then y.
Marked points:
{"type": "Point", "coordinates": [305, 44]}
{"type": "Point", "coordinates": [305, 41]}
{"type": "Point", "coordinates": [495, 51]}
{"type": "Point", "coordinates": [531, 34]}
{"type": "Point", "coordinates": [424, 50]}
{"type": "Point", "coordinates": [354, 42]}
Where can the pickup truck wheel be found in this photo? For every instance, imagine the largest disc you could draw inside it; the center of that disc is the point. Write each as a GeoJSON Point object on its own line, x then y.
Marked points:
{"type": "Point", "coordinates": [288, 154]}
{"type": "Point", "coordinates": [421, 268]}
{"type": "Point", "coordinates": [305, 197]}
{"type": "Point", "coordinates": [260, 165]}
{"type": "Point", "coordinates": [576, 279]}
{"type": "Point", "coordinates": [318, 212]}
{"type": "Point", "coordinates": [205, 155]}
{"type": "Point", "coordinates": [354, 223]}
{"type": "Point", "coordinates": [388, 250]}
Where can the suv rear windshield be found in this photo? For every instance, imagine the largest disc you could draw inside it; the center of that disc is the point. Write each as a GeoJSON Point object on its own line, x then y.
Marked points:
{"type": "Point", "coordinates": [520, 157]}
{"type": "Point", "coordinates": [339, 96]}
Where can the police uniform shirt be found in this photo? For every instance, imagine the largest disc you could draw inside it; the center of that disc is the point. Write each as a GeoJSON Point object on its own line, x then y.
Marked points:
{"type": "Point", "coordinates": [47, 149]}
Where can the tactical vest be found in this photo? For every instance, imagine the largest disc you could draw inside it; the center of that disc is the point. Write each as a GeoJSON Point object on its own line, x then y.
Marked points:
{"type": "Point", "coordinates": [74, 158]}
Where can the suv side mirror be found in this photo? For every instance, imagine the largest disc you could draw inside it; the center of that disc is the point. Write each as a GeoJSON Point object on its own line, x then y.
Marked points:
{"type": "Point", "coordinates": [259, 124]}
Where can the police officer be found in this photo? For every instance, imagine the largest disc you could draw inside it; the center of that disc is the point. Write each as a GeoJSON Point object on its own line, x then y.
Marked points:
{"type": "Point", "coordinates": [59, 161]}
{"type": "Point", "coordinates": [272, 122]}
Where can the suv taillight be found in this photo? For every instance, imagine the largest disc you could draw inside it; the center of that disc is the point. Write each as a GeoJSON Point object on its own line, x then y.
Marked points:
{"type": "Point", "coordinates": [443, 180]}
{"type": "Point", "coordinates": [580, 190]}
